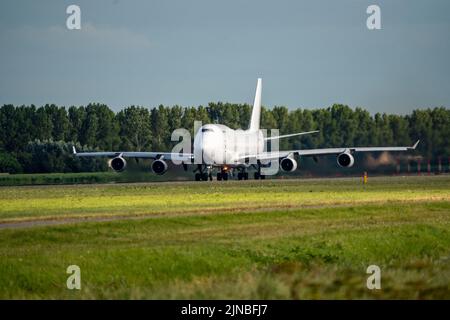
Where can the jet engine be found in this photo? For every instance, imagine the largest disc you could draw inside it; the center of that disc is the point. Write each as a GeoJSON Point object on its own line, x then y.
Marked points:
{"type": "Point", "coordinates": [345, 160]}
{"type": "Point", "coordinates": [159, 166]}
{"type": "Point", "coordinates": [288, 164]}
{"type": "Point", "coordinates": [118, 164]}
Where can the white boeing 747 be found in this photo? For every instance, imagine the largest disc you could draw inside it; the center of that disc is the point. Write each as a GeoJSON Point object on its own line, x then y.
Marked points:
{"type": "Point", "coordinates": [219, 148]}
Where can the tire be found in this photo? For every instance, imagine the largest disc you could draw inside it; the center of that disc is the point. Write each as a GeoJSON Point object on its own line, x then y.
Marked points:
{"type": "Point", "coordinates": [197, 177]}
{"type": "Point", "coordinates": [204, 177]}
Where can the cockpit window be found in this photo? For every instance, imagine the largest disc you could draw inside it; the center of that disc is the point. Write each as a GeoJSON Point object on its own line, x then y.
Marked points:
{"type": "Point", "coordinates": [207, 130]}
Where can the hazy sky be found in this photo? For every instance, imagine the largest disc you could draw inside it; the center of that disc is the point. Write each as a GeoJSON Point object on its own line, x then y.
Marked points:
{"type": "Point", "coordinates": [188, 52]}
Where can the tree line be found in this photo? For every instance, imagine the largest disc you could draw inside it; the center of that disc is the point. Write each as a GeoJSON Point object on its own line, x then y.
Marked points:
{"type": "Point", "coordinates": [39, 139]}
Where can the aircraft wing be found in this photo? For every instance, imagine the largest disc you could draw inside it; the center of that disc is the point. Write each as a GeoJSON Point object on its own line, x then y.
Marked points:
{"type": "Point", "coordinates": [291, 135]}
{"type": "Point", "coordinates": [137, 154]}
{"type": "Point", "coordinates": [325, 151]}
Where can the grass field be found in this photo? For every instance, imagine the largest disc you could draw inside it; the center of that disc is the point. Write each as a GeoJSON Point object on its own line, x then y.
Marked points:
{"type": "Point", "coordinates": [288, 239]}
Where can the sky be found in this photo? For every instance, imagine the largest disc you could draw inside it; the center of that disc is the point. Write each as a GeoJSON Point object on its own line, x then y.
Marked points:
{"type": "Point", "coordinates": [310, 54]}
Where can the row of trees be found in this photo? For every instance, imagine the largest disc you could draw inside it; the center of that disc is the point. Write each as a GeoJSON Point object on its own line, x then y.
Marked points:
{"type": "Point", "coordinates": [36, 139]}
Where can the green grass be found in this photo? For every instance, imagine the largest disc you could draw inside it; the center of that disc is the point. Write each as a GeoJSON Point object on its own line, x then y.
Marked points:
{"type": "Point", "coordinates": [268, 239]}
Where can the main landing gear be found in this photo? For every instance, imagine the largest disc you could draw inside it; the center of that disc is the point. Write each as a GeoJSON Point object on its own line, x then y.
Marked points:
{"type": "Point", "coordinates": [203, 174]}
{"type": "Point", "coordinates": [243, 175]}
{"type": "Point", "coordinates": [224, 174]}
{"type": "Point", "coordinates": [258, 174]}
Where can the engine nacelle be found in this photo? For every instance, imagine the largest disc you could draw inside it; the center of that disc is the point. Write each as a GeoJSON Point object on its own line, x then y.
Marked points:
{"type": "Point", "coordinates": [345, 160]}
{"type": "Point", "coordinates": [288, 164]}
{"type": "Point", "coordinates": [159, 166]}
{"type": "Point", "coordinates": [118, 164]}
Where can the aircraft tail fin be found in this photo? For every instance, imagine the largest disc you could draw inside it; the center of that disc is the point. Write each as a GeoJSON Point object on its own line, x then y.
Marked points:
{"type": "Point", "coordinates": [256, 111]}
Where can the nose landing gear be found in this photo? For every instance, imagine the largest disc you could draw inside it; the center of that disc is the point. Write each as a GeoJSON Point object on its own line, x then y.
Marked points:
{"type": "Point", "coordinates": [223, 174]}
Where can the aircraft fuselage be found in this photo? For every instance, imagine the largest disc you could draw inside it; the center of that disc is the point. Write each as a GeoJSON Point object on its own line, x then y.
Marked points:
{"type": "Point", "coordinates": [221, 145]}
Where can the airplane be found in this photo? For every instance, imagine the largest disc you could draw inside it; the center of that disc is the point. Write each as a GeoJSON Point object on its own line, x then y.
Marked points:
{"type": "Point", "coordinates": [224, 150]}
